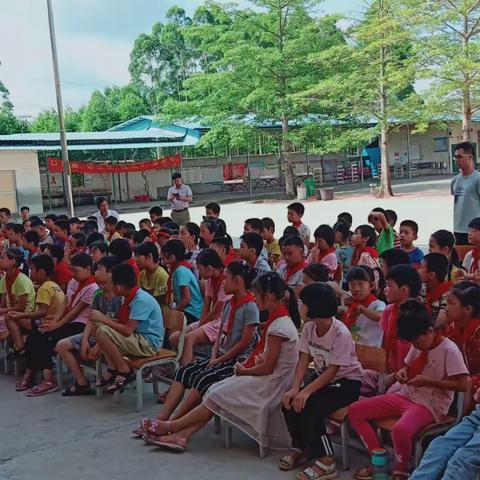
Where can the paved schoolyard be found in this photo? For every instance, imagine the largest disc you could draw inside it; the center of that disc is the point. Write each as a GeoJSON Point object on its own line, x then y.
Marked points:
{"type": "Point", "coordinates": [53, 438]}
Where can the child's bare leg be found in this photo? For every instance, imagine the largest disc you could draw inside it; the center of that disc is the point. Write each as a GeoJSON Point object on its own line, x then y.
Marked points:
{"type": "Point", "coordinates": [110, 350]}
{"type": "Point", "coordinates": [174, 397]}
{"type": "Point", "coordinates": [193, 338]}
{"type": "Point", "coordinates": [198, 417]}
{"type": "Point", "coordinates": [183, 436]}
{"type": "Point", "coordinates": [64, 349]}
{"type": "Point", "coordinates": [174, 339]}
{"type": "Point", "coordinates": [14, 327]}
{"type": "Point", "coordinates": [193, 399]}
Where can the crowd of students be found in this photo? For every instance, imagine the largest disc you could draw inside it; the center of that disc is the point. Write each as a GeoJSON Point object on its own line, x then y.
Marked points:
{"type": "Point", "coordinates": [272, 326]}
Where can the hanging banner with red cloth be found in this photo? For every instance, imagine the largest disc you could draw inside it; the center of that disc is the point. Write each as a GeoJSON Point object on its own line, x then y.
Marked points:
{"type": "Point", "coordinates": [55, 165]}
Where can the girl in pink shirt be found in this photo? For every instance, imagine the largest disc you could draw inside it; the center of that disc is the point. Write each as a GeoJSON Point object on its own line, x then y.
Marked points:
{"type": "Point", "coordinates": [335, 383]}
{"type": "Point", "coordinates": [434, 370]}
{"type": "Point", "coordinates": [324, 251]}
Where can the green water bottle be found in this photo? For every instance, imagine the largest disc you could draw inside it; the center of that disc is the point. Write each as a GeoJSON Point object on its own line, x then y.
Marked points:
{"type": "Point", "coordinates": [380, 464]}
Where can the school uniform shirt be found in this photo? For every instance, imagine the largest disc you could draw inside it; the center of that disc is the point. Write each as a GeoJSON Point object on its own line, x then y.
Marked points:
{"type": "Point", "coordinates": [416, 256]}
{"type": "Point", "coordinates": [51, 295]}
{"type": "Point", "coordinates": [295, 280]}
{"type": "Point", "coordinates": [85, 296]}
{"type": "Point", "coordinates": [469, 263]}
{"type": "Point", "coordinates": [344, 257]}
{"type": "Point", "coordinates": [156, 283]}
{"type": "Point", "coordinates": [21, 286]}
{"type": "Point", "coordinates": [304, 231]}
{"type": "Point", "coordinates": [436, 306]}
{"type": "Point", "coordinates": [46, 240]}
{"type": "Point", "coordinates": [444, 361]}
{"type": "Point", "coordinates": [262, 266]}
{"type": "Point", "coordinates": [108, 306]}
{"type": "Point", "coordinates": [145, 310]}
{"type": "Point", "coordinates": [184, 277]}
{"type": "Point", "coordinates": [335, 347]}
{"type": "Point", "coordinates": [366, 331]}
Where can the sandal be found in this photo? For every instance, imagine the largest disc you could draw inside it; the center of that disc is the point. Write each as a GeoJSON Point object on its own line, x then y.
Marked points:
{"type": "Point", "coordinates": [77, 390]}
{"type": "Point", "coordinates": [364, 473]}
{"type": "Point", "coordinates": [23, 385]}
{"type": "Point", "coordinates": [15, 354]}
{"type": "Point", "coordinates": [121, 381]}
{"type": "Point", "coordinates": [179, 445]}
{"type": "Point", "coordinates": [152, 426]}
{"type": "Point", "coordinates": [319, 471]}
{"type": "Point", "coordinates": [142, 430]}
{"type": "Point", "coordinates": [291, 461]}
{"type": "Point", "coordinates": [105, 382]}
{"type": "Point", "coordinates": [42, 389]}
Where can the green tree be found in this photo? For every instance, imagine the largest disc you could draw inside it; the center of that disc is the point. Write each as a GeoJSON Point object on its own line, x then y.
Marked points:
{"type": "Point", "coordinates": [370, 88]}
{"type": "Point", "coordinates": [47, 121]}
{"type": "Point", "coordinates": [449, 37]}
{"type": "Point", "coordinates": [9, 123]}
{"type": "Point", "coordinates": [262, 64]}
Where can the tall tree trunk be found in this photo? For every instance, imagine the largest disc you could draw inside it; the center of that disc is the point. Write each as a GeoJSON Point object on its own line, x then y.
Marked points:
{"type": "Point", "coordinates": [286, 160]}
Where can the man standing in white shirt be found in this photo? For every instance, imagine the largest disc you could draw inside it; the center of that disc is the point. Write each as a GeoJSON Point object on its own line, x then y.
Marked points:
{"type": "Point", "coordinates": [102, 213]}
{"type": "Point", "coordinates": [180, 196]}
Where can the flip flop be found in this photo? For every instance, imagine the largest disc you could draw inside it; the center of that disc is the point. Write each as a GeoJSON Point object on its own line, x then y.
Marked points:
{"type": "Point", "coordinates": [38, 391]}
{"type": "Point", "coordinates": [77, 390]}
{"type": "Point", "coordinates": [174, 446]}
{"type": "Point", "coordinates": [23, 385]}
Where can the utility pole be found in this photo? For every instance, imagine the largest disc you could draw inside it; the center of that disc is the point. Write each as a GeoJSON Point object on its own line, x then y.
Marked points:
{"type": "Point", "coordinates": [67, 179]}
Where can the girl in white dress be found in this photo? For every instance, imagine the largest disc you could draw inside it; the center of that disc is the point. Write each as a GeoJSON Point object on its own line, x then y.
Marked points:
{"type": "Point", "coordinates": [251, 399]}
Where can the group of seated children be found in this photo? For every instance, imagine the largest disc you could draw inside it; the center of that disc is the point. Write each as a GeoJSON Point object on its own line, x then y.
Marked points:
{"type": "Point", "coordinates": [273, 328]}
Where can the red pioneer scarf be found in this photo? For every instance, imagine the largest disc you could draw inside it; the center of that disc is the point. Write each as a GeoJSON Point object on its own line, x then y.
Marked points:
{"type": "Point", "coordinates": [234, 305]}
{"type": "Point", "coordinates": [350, 316]}
{"type": "Point", "coordinates": [183, 263]}
{"type": "Point", "coordinates": [461, 338]}
{"type": "Point", "coordinates": [322, 255]}
{"type": "Point", "coordinates": [9, 281]}
{"type": "Point", "coordinates": [358, 252]}
{"type": "Point", "coordinates": [475, 260]}
{"type": "Point", "coordinates": [437, 294]}
{"type": "Point", "coordinates": [391, 337]}
{"type": "Point", "coordinates": [124, 312]}
{"type": "Point", "coordinates": [89, 281]}
{"type": "Point", "coordinates": [230, 257]}
{"type": "Point", "coordinates": [418, 365]}
{"type": "Point", "coordinates": [281, 311]}
{"type": "Point", "coordinates": [32, 252]}
{"type": "Point", "coordinates": [293, 270]}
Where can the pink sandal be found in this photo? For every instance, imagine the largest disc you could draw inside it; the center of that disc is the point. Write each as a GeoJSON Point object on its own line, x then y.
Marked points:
{"type": "Point", "coordinates": [42, 389]}
{"type": "Point", "coordinates": [23, 385]}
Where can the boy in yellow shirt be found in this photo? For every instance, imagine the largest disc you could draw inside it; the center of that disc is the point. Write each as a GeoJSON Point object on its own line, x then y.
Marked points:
{"type": "Point", "coordinates": [271, 244]}
{"type": "Point", "coordinates": [49, 305]}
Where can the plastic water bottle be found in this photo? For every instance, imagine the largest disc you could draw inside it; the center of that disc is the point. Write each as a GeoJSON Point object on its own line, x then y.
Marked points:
{"type": "Point", "coordinates": [380, 464]}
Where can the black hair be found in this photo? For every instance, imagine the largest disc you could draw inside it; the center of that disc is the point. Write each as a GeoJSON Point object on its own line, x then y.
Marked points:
{"type": "Point", "coordinates": [410, 224]}
{"type": "Point", "coordinates": [438, 264]}
{"type": "Point", "coordinates": [444, 238]}
{"type": "Point", "coordinates": [215, 226]}
{"type": "Point", "coordinates": [391, 216]}
{"type": "Point", "coordinates": [45, 263]}
{"type": "Point", "coordinates": [395, 256]}
{"type": "Point", "coordinates": [63, 225]}
{"type": "Point", "coordinates": [368, 231]}
{"type": "Point", "coordinates": [156, 210]}
{"type": "Point", "coordinates": [16, 228]}
{"type": "Point", "coordinates": [92, 218]}
{"type": "Point", "coordinates": [320, 300]}
{"type": "Point", "coordinates": [413, 320]}
{"type": "Point", "coordinates": [100, 245]}
{"type": "Point", "coordinates": [120, 224]}
{"type": "Point", "coordinates": [163, 220]}
{"type": "Point", "coordinates": [325, 232]}
{"type": "Point", "coordinates": [362, 274]}
{"type": "Point", "coordinates": [297, 207]}
{"type": "Point", "coordinates": [51, 216]}
{"type": "Point", "coordinates": [406, 276]}
{"type": "Point", "coordinates": [214, 207]}
{"type": "Point", "coordinates": [94, 237]}
{"type": "Point", "coordinates": [146, 249]}
{"type": "Point", "coordinates": [6, 211]}
{"type": "Point", "coordinates": [172, 226]}
{"type": "Point", "coordinates": [80, 239]}
{"type": "Point", "coordinates": [36, 223]}
{"type": "Point", "coordinates": [32, 237]}
{"type": "Point", "coordinates": [121, 248]}
{"type": "Point", "coordinates": [317, 272]}
{"type": "Point", "coordinates": [74, 220]}
{"type": "Point", "coordinates": [225, 242]}
{"type": "Point", "coordinates": [124, 274]}
{"type": "Point", "coordinates": [100, 200]}
{"type": "Point", "coordinates": [255, 223]}
{"type": "Point", "coordinates": [271, 282]}
{"type": "Point", "coordinates": [24, 208]}
{"type": "Point", "coordinates": [144, 220]}
{"type": "Point", "coordinates": [175, 248]}
{"type": "Point", "coordinates": [193, 229]}
{"type": "Point", "coordinates": [345, 217]}
{"type": "Point", "coordinates": [111, 220]}
{"type": "Point", "coordinates": [29, 219]}
{"type": "Point", "coordinates": [294, 241]}
{"type": "Point", "coordinates": [209, 258]}
{"type": "Point", "coordinates": [467, 147]}
{"type": "Point", "coordinates": [253, 240]}
{"type": "Point", "coordinates": [63, 217]}
{"type": "Point", "coordinates": [468, 294]}
{"type": "Point", "coordinates": [109, 262]}
{"type": "Point", "coordinates": [268, 223]}
{"type": "Point", "coordinates": [176, 175]}
{"type": "Point", "coordinates": [56, 251]}
{"type": "Point", "coordinates": [140, 236]}
{"type": "Point", "coordinates": [241, 269]}
{"type": "Point", "coordinates": [343, 229]}
{"type": "Point", "coordinates": [82, 260]}
{"type": "Point", "coordinates": [90, 227]}
{"type": "Point", "coordinates": [15, 254]}
{"type": "Point", "coordinates": [291, 230]}
{"type": "Point", "coordinates": [380, 210]}
{"type": "Point", "coordinates": [475, 224]}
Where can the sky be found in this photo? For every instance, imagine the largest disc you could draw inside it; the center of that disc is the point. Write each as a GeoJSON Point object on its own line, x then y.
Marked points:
{"type": "Point", "coordinates": [94, 40]}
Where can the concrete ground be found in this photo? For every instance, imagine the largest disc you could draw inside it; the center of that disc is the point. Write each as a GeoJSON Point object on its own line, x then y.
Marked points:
{"type": "Point", "coordinates": [52, 438]}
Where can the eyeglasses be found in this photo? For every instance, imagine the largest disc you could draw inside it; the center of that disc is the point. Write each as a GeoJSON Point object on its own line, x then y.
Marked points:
{"type": "Point", "coordinates": [458, 157]}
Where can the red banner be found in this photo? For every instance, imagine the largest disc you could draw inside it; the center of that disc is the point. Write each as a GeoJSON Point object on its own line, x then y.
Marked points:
{"type": "Point", "coordinates": [55, 165]}
{"type": "Point", "coordinates": [234, 171]}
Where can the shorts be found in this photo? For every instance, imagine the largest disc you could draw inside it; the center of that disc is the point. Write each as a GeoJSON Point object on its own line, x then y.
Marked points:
{"type": "Point", "coordinates": [76, 341]}
{"type": "Point", "coordinates": [210, 329]}
{"type": "Point", "coordinates": [135, 345]}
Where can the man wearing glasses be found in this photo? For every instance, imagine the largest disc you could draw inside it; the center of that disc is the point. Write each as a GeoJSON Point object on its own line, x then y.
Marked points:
{"type": "Point", "coordinates": [465, 188]}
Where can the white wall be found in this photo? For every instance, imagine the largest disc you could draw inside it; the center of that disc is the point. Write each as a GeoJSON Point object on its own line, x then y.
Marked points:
{"type": "Point", "coordinates": [27, 177]}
